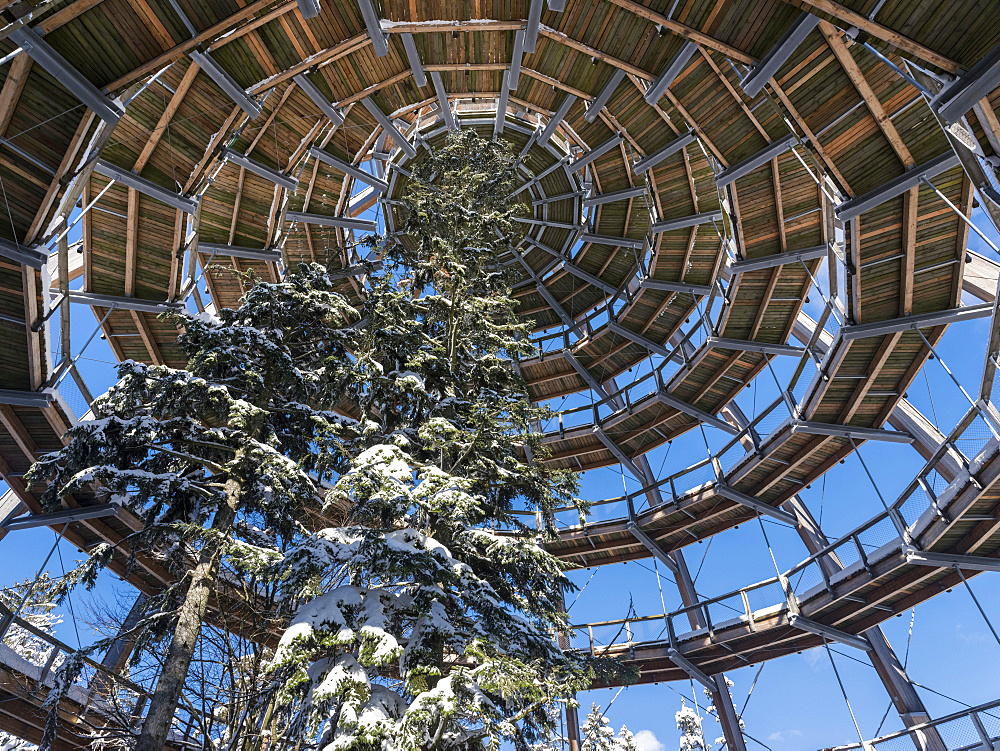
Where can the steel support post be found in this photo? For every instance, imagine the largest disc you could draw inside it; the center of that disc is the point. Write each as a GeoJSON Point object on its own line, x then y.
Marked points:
{"type": "Point", "coordinates": [890, 671]}
{"type": "Point", "coordinates": [721, 697]}
{"type": "Point", "coordinates": [572, 716]}
{"type": "Point", "coordinates": [119, 652]}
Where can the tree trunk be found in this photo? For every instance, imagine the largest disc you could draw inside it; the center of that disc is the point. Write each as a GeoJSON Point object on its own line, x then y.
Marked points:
{"type": "Point", "coordinates": [163, 706]}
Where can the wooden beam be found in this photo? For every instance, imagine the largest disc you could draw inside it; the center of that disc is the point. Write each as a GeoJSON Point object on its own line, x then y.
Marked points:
{"type": "Point", "coordinates": [735, 94]}
{"type": "Point", "coordinates": [440, 26]}
{"type": "Point", "coordinates": [160, 129]}
{"type": "Point", "coordinates": [13, 85]}
{"type": "Point", "coordinates": [903, 43]}
{"type": "Point", "coordinates": [881, 117]}
{"type": "Point", "coordinates": [909, 250]}
{"type": "Point", "coordinates": [578, 93]}
{"type": "Point", "coordinates": [147, 337]}
{"type": "Point", "coordinates": [572, 43]}
{"type": "Point", "coordinates": [882, 354]}
{"type": "Point", "coordinates": [811, 138]}
{"type": "Point", "coordinates": [64, 166]}
{"type": "Point", "coordinates": [803, 455]}
{"type": "Point", "coordinates": [688, 32]}
{"type": "Point", "coordinates": [179, 50]}
{"type": "Point", "coordinates": [29, 282]}
{"type": "Point", "coordinates": [988, 119]}
{"type": "Point", "coordinates": [320, 59]}
{"type": "Point", "coordinates": [131, 241]}
{"type": "Point", "coordinates": [236, 205]}
{"type": "Point", "coordinates": [67, 14]}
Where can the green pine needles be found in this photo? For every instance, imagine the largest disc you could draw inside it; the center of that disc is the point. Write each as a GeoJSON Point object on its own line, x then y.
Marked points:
{"type": "Point", "coordinates": [350, 474]}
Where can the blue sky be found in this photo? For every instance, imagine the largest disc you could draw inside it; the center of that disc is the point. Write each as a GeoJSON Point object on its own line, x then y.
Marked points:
{"type": "Point", "coordinates": [796, 701]}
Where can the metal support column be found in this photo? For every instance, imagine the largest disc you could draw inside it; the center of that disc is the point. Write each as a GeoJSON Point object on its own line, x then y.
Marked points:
{"type": "Point", "coordinates": [905, 699]}
{"type": "Point", "coordinates": [572, 716]}
{"type": "Point", "coordinates": [721, 697]}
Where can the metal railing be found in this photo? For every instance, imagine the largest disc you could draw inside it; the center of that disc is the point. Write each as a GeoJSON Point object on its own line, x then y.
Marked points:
{"type": "Point", "coordinates": [969, 729]}
{"type": "Point", "coordinates": [676, 486]}
{"type": "Point", "coordinates": [883, 534]}
{"type": "Point", "coordinates": [109, 702]}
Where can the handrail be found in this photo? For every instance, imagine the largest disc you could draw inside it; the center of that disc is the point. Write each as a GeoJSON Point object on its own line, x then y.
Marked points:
{"type": "Point", "coordinates": [61, 646]}
{"type": "Point", "coordinates": [852, 537]}
{"type": "Point", "coordinates": [971, 712]}
{"type": "Point", "coordinates": [738, 438]}
{"type": "Point", "coordinates": [678, 348]}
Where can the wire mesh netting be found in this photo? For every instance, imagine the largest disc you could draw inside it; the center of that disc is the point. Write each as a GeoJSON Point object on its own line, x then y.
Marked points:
{"type": "Point", "coordinates": [877, 535]}
{"type": "Point", "coordinates": [694, 477]}
{"type": "Point", "coordinates": [731, 456]}
{"type": "Point", "coordinates": [958, 733]}
{"type": "Point", "coordinates": [771, 421]}
{"type": "Point", "coordinates": [899, 743]}
{"type": "Point", "coordinates": [990, 720]}
{"type": "Point", "coordinates": [805, 579]}
{"type": "Point", "coordinates": [801, 386]}
{"type": "Point", "coordinates": [602, 512]}
{"type": "Point", "coordinates": [974, 438]}
{"type": "Point", "coordinates": [648, 630]}
{"type": "Point", "coordinates": [766, 595]}
{"type": "Point", "coordinates": [726, 609]}
{"type": "Point", "coordinates": [915, 503]}
{"type": "Point", "coordinates": [73, 397]}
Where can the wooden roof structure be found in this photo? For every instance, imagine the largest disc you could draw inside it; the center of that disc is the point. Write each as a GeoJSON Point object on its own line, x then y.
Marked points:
{"type": "Point", "coordinates": [695, 170]}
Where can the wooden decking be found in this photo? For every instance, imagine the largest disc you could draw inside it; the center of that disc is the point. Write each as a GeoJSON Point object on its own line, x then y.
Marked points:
{"type": "Point", "coordinates": [855, 583]}
{"type": "Point", "coordinates": [698, 271]}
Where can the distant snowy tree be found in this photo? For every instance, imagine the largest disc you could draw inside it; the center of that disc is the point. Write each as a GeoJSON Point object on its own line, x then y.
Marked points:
{"type": "Point", "coordinates": [597, 732]}
{"type": "Point", "coordinates": [626, 741]}
{"type": "Point", "coordinates": [692, 735]}
{"type": "Point", "coordinates": [39, 597]}
{"type": "Point", "coordinates": [39, 601]}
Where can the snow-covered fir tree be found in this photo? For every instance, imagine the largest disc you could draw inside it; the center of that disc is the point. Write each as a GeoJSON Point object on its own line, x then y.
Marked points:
{"type": "Point", "coordinates": [429, 610]}
{"type": "Point", "coordinates": [626, 741]}
{"type": "Point", "coordinates": [597, 732]}
{"type": "Point", "coordinates": [220, 462]}
{"type": "Point", "coordinates": [427, 628]}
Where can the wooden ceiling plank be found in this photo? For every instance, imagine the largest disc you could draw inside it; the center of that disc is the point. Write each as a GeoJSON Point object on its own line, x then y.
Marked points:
{"type": "Point", "coordinates": [13, 425]}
